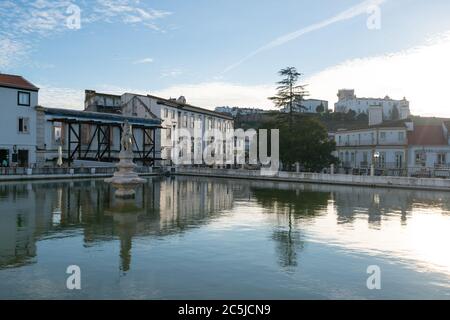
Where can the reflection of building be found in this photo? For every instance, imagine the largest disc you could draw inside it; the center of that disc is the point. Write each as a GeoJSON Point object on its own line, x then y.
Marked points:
{"type": "Point", "coordinates": [162, 207]}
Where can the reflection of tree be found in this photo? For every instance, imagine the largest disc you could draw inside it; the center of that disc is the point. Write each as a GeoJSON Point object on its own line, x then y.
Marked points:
{"type": "Point", "coordinates": [300, 203]}
{"type": "Point", "coordinates": [291, 204]}
{"type": "Point", "coordinates": [287, 243]}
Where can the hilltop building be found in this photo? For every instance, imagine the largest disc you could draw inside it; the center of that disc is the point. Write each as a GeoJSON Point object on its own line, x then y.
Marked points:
{"type": "Point", "coordinates": [308, 106]}
{"type": "Point", "coordinates": [235, 111]}
{"type": "Point", "coordinates": [392, 109]}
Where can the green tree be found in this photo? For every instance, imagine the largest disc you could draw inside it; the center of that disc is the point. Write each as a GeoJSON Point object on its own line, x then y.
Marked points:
{"type": "Point", "coordinates": [363, 117]}
{"type": "Point", "coordinates": [320, 108]}
{"type": "Point", "coordinates": [307, 143]}
{"type": "Point", "coordinates": [288, 90]}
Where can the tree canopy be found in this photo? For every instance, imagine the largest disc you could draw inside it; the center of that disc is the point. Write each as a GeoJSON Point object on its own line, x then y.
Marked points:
{"type": "Point", "coordinates": [306, 142]}
{"type": "Point", "coordinates": [288, 92]}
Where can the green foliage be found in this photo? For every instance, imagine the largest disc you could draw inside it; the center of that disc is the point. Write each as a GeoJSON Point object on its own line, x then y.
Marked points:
{"type": "Point", "coordinates": [320, 108]}
{"type": "Point", "coordinates": [362, 117]}
{"type": "Point", "coordinates": [305, 141]}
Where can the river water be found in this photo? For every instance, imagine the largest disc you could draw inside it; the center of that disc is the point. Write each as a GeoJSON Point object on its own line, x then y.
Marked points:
{"type": "Point", "coordinates": [201, 238]}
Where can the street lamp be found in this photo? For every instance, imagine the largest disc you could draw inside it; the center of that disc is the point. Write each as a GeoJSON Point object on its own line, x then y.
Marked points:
{"type": "Point", "coordinates": [376, 156]}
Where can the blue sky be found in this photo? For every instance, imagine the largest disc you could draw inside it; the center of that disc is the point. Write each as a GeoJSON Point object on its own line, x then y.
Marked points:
{"type": "Point", "coordinates": [193, 48]}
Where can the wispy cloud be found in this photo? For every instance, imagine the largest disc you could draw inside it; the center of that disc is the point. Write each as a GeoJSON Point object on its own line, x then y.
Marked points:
{"type": "Point", "coordinates": [173, 73]}
{"type": "Point", "coordinates": [350, 13]}
{"type": "Point", "coordinates": [143, 61]}
{"type": "Point", "coordinates": [23, 23]}
{"type": "Point", "coordinates": [419, 73]}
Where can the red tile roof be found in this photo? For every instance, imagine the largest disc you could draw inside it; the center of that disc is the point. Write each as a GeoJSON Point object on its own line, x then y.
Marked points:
{"type": "Point", "coordinates": [429, 135]}
{"type": "Point", "coordinates": [17, 82]}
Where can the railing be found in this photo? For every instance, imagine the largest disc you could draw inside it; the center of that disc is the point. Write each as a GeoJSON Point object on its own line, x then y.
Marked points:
{"type": "Point", "coordinates": [59, 171]}
{"type": "Point", "coordinates": [396, 169]}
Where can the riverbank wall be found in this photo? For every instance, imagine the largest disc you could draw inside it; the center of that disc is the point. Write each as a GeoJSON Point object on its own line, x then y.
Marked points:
{"type": "Point", "coordinates": [321, 178]}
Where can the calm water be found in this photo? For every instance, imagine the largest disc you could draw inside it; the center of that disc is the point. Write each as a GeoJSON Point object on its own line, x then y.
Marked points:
{"type": "Point", "coordinates": [187, 238]}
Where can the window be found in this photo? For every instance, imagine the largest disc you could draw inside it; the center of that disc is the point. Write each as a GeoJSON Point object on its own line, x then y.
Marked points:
{"type": "Point", "coordinates": [23, 98]}
{"type": "Point", "coordinates": [383, 135]}
{"type": "Point", "coordinates": [173, 114]}
{"type": "Point", "coordinates": [185, 120]}
{"type": "Point", "coordinates": [169, 133]}
{"type": "Point", "coordinates": [166, 113]}
{"type": "Point", "coordinates": [401, 136]}
{"type": "Point", "coordinates": [24, 125]}
{"type": "Point", "coordinates": [421, 158]}
{"type": "Point", "coordinates": [57, 133]}
{"type": "Point", "coordinates": [441, 159]}
{"type": "Point", "coordinates": [192, 121]}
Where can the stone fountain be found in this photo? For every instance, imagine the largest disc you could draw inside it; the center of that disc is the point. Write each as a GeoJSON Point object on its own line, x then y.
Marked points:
{"type": "Point", "coordinates": [125, 179]}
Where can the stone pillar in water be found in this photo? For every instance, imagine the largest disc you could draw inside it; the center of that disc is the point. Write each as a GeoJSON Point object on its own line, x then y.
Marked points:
{"type": "Point", "coordinates": [125, 179]}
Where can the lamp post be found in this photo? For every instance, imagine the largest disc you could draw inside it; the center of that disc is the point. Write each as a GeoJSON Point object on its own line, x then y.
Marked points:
{"type": "Point", "coordinates": [376, 157]}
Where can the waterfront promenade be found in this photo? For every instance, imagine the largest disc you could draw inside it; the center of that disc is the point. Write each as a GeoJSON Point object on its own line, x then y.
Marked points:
{"type": "Point", "coordinates": [302, 177]}
{"type": "Point", "coordinates": [335, 179]}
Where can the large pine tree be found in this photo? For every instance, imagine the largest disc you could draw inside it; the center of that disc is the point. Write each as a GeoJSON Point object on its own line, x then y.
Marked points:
{"type": "Point", "coordinates": [288, 90]}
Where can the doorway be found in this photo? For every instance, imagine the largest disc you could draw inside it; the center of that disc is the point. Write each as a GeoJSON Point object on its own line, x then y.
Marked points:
{"type": "Point", "coordinates": [22, 158]}
{"type": "Point", "coordinates": [4, 157]}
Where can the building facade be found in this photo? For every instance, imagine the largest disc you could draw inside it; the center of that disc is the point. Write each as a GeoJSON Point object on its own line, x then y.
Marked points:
{"type": "Point", "coordinates": [308, 106]}
{"type": "Point", "coordinates": [18, 98]}
{"type": "Point", "coordinates": [235, 111]}
{"type": "Point", "coordinates": [392, 109]}
{"type": "Point", "coordinates": [400, 147]}
{"type": "Point", "coordinates": [175, 114]}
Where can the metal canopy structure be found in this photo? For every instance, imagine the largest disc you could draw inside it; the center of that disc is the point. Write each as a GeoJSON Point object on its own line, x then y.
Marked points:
{"type": "Point", "coordinates": [103, 125]}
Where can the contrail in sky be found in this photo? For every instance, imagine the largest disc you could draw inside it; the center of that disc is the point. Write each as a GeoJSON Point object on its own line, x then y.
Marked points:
{"type": "Point", "coordinates": [350, 13]}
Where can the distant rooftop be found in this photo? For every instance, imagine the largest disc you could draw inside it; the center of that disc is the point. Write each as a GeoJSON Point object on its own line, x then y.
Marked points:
{"type": "Point", "coordinates": [16, 82]}
{"type": "Point", "coordinates": [428, 135]}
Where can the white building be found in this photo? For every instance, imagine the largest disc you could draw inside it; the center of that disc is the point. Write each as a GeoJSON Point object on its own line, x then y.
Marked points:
{"type": "Point", "coordinates": [308, 106]}
{"type": "Point", "coordinates": [396, 147]}
{"type": "Point", "coordinates": [18, 97]}
{"type": "Point", "coordinates": [174, 114]}
{"type": "Point", "coordinates": [234, 111]}
{"type": "Point", "coordinates": [348, 101]}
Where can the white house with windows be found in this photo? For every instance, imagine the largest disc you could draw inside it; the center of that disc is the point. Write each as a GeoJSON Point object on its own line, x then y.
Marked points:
{"type": "Point", "coordinates": [349, 101]}
{"type": "Point", "coordinates": [18, 99]}
{"type": "Point", "coordinates": [397, 147]}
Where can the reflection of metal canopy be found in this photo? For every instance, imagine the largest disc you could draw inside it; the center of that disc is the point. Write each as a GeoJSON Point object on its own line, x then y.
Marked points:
{"type": "Point", "coordinates": [103, 125]}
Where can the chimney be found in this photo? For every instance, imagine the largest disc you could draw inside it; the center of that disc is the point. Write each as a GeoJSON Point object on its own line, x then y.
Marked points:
{"type": "Point", "coordinates": [375, 115]}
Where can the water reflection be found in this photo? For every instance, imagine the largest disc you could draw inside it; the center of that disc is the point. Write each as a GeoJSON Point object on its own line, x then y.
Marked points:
{"type": "Point", "coordinates": [30, 212]}
{"type": "Point", "coordinates": [228, 230]}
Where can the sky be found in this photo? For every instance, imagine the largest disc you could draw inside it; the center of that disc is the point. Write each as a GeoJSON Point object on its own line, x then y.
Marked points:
{"type": "Point", "coordinates": [228, 52]}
